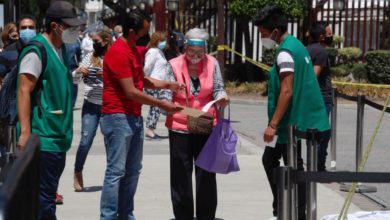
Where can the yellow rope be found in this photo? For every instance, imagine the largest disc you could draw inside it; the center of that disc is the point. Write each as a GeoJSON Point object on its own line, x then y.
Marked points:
{"type": "Point", "coordinates": [266, 68]}
{"type": "Point", "coordinates": [378, 86]}
{"type": "Point", "coordinates": [258, 64]}
{"type": "Point", "coordinates": [347, 203]}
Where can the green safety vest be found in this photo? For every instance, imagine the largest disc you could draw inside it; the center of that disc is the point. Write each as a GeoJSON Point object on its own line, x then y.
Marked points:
{"type": "Point", "coordinates": [307, 108]}
{"type": "Point", "coordinates": [52, 119]}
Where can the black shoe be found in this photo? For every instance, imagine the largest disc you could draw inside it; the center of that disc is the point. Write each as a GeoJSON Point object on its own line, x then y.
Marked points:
{"type": "Point", "coordinates": [156, 137]}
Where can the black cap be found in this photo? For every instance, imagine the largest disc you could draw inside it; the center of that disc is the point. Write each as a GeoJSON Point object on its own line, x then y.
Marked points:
{"type": "Point", "coordinates": [65, 11]}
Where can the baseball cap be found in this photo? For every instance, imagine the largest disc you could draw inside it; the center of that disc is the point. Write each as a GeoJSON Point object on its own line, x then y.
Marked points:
{"type": "Point", "coordinates": [65, 11]}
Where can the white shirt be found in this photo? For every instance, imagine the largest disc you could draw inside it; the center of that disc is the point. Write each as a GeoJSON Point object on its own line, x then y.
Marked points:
{"type": "Point", "coordinates": [156, 66]}
{"type": "Point", "coordinates": [285, 62]}
{"type": "Point", "coordinates": [86, 46]}
{"type": "Point", "coordinates": [31, 64]}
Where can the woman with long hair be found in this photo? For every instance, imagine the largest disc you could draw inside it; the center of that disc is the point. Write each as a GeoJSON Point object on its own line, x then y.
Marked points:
{"type": "Point", "coordinates": [91, 68]}
{"type": "Point", "coordinates": [9, 35]}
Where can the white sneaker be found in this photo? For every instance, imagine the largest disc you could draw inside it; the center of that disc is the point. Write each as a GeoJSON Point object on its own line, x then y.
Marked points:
{"type": "Point", "coordinates": [273, 218]}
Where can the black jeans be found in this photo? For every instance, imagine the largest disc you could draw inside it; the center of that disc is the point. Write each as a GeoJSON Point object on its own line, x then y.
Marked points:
{"type": "Point", "coordinates": [52, 165]}
{"type": "Point", "coordinates": [323, 142]}
{"type": "Point", "coordinates": [184, 149]}
{"type": "Point", "coordinates": [271, 161]}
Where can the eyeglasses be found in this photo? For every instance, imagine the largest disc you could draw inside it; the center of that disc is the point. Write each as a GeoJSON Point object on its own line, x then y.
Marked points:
{"type": "Point", "coordinates": [27, 27]}
{"type": "Point", "coordinates": [192, 52]}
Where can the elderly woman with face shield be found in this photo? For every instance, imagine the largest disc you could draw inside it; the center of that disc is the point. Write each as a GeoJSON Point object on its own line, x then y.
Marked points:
{"type": "Point", "coordinates": [202, 76]}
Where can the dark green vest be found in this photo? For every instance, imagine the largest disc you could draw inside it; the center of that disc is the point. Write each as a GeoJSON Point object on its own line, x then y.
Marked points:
{"type": "Point", "coordinates": [307, 108]}
{"type": "Point", "coordinates": [52, 120]}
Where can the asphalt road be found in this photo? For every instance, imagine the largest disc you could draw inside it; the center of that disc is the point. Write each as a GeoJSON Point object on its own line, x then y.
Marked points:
{"type": "Point", "coordinates": [251, 120]}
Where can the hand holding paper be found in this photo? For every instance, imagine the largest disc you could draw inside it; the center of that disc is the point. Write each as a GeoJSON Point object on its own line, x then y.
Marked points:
{"type": "Point", "coordinates": [196, 112]}
{"type": "Point", "coordinates": [224, 101]}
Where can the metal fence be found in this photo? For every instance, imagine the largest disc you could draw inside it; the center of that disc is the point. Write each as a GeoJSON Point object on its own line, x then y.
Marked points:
{"type": "Point", "coordinates": [287, 177]}
{"type": "Point", "coordinates": [362, 23]}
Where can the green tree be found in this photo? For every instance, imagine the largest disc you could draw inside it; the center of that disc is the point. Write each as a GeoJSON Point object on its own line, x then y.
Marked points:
{"type": "Point", "coordinates": [244, 10]}
{"type": "Point", "coordinates": [248, 8]}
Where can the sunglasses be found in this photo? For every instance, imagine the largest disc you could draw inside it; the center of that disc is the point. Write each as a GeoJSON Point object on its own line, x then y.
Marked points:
{"type": "Point", "coordinates": [27, 27]}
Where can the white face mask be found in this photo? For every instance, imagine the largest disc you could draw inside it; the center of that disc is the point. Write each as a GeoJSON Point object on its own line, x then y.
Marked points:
{"type": "Point", "coordinates": [268, 42]}
{"type": "Point", "coordinates": [69, 36]}
{"type": "Point", "coordinates": [194, 60]}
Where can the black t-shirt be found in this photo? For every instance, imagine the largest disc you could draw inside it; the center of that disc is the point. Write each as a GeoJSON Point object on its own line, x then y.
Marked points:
{"type": "Point", "coordinates": [319, 56]}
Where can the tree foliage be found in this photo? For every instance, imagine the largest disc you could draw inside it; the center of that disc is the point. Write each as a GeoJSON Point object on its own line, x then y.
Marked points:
{"type": "Point", "coordinates": [248, 8]}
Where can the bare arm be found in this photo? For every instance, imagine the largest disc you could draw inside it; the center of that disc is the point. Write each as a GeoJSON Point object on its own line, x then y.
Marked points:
{"type": "Point", "coordinates": [286, 85]}
{"type": "Point", "coordinates": [151, 83]}
{"type": "Point", "coordinates": [27, 84]}
{"type": "Point", "coordinates": [133, 93]}
{"type": "Point", "coordinates": [317, 70]}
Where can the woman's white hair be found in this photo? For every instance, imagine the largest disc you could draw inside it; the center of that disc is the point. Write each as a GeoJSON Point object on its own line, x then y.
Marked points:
{"type": "Point", "coordinates": [197, 33]}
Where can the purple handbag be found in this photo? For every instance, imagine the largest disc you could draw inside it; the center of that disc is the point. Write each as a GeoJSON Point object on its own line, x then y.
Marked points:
{"type": "Point", "coordinates": [219, 153]}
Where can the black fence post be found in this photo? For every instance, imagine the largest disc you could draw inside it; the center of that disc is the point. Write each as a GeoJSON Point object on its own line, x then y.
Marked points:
{"type": "Point", "coordinates": [359, 130]}
{"type": "Point", "coordinates": [361, 101]}
{"type": "Point", "coordinates": [333, 143]}
{"type": "Point", "coordinates": [311, 194]}
{"type": "Point", "coordinates": [284, 192]}
{"type": "Point", "coordinates": [292, 157]}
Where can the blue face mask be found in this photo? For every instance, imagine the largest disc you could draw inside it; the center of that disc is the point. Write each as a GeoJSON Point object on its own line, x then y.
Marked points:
{"type": "Point", "coordinates": [162, 45]}
{"type": "Point", "coordinates": [26, 35]}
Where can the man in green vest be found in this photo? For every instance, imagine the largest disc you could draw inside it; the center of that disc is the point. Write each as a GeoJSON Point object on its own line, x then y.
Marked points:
{"type": "Point", "coordinates": [294, 96]}
{"type": "Point", "coordinates": [52, 116]}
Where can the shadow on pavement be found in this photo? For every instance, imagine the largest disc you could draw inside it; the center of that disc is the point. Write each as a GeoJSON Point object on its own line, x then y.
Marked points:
{"type": "Point", "coordinates": [92, 189]}
{"type": "Point", "coordinates": [196, 219]}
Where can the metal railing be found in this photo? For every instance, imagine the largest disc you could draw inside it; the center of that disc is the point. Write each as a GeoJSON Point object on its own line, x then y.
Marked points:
{"type": "Point", "coordinates": [20, 184]}
{"type": "Point", "coordinates": [361, 101]}
{"type": "Point", "coordinates": [288, 178]}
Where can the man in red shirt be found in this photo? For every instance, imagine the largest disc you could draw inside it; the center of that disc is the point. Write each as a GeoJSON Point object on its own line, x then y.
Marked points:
{"type": "Point", "coordinates": [121, 122]}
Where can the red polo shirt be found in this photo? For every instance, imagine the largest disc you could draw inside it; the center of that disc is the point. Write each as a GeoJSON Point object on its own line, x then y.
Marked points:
{"type": "Point", "coordinates": [121, 61]}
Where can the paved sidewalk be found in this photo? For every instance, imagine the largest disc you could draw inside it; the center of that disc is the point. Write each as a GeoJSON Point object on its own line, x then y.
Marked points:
{"type": "Point", "coordinates": [244, 195]}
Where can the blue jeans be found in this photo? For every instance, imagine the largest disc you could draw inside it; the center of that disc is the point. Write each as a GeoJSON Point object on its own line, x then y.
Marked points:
{"type": "Point", "coordinates": [90, 118]}
{"type": "Point", "coordinates": [52, 165]}
{"type": "Point", "coordinates": [74, 94]}
{"type": "Point", "coordinates": [323, 142]}
{"type": "Point", "coordinates": [123, 138]}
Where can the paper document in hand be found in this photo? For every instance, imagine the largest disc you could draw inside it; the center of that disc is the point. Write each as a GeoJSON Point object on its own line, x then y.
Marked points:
{"type": "Point", "coordinates": [261, 142]}
{"type": "Point", "coordinates": [192, 112]}
{"type": "Point", "coordinates": [208, 105]}
{"type": "Point", "coordinates": [196, 112]}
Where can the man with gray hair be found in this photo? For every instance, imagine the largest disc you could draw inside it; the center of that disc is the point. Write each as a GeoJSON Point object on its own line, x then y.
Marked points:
{"type": "Point", "coordinates": [117, 32]}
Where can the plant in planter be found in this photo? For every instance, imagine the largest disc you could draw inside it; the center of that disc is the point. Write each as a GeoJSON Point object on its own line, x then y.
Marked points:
{"type": "Point", "coordinates": [378, 66]}
{"type": "Point", "coordinates": [349, 55]}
